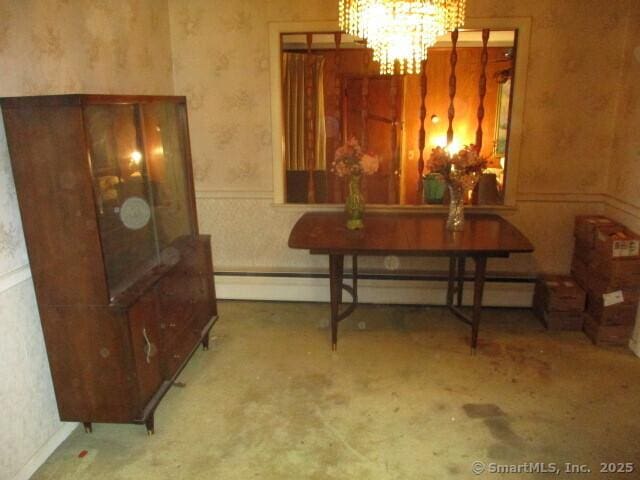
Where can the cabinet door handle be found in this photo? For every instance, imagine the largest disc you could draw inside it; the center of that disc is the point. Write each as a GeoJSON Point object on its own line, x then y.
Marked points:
{"type": "Point", "coordinates": [147, 347]}
{"type": "Point", "coordinates": [172, 325]}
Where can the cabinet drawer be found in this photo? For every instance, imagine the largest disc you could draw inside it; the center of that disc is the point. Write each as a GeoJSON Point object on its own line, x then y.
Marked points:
{"type": "Point", "coordinates": [177, 352]}
{"type": "Point", "coordinates": [176, 304]}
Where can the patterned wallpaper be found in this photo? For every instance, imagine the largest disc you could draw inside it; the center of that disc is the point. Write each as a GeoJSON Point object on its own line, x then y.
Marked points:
{"type": "Point", "coordinates": [220, 52]}
{"type": "Point", "coordinates": [221, 62]}
{"type": "Point", "coordinates": [12, 250]}
{"type": "Point", "coordinates": [624, 180]}
{"type": "Point", "coordinates": [50, 47]}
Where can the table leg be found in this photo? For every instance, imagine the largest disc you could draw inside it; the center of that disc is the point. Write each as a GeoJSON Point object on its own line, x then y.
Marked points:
{"type": "Point", "coordinates": [461, 269]}
{"type": "Point", "coordinates": [452, 273]}
{"type": "Point", "coordinates": [354, 283]}
{"type": "Point", "coordinates": [340, 269]}
{"type": "Point", "coordinates": [336, 271]}
{"type": "Point", "coordinates": [481, 267]}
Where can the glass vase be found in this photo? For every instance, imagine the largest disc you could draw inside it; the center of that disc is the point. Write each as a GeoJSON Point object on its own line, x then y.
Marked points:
{"type": "Point", "coordinates": [354, 204]}
{"type": "Point", "coordinates": [455, 222]}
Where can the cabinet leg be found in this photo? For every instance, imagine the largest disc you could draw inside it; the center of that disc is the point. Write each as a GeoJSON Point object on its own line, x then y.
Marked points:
{"type": "Point", "coordinates": [87, 427]}
{"type": "Point", "coordinates": [149, 424]}
{"type": "Point", "coordinates": [205, 342]}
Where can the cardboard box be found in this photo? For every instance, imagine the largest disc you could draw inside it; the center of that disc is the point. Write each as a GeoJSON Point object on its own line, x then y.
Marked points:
{"type": "Point", "coordinates": [559, 293]}
{"type": "Point", "coordinates": [570, 320]}
{"type": "Point", "coordinates": [562, 320]}
{"type": "Point", "coordinates": [580, 272]}
{"type": "Point", "coordinates": [606, 273]}
{"type": "Point", "coordinates": [586, 225]}
{"type": "Point", "coordinates": [606, 334]}
{"type": "Point", "coordinates": [584, 252]}
{"type": "Point", "coordinates": [614, 242]}
{"type": "Point", "coordinates": [604, 311]}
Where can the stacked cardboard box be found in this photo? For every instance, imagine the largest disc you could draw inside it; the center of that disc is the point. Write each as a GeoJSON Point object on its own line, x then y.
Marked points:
{"type": "Point", "coordinates": [559, 302]}
{"type": "Point", "coordinates": [606, 263]}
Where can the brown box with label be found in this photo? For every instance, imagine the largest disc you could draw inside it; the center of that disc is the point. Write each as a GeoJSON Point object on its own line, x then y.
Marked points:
{"type": "Point", "coordinates": [606, 334]}
{"type": "Point", "coordinates": [618, 307]}
{"type": "Point", "coordinates": [616, 242]}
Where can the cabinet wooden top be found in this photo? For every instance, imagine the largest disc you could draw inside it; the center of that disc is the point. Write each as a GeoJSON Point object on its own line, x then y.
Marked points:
{"type": "Point", "coordinates": [84, 99]}
{"type": "Point", "coordinates": [407, 234]}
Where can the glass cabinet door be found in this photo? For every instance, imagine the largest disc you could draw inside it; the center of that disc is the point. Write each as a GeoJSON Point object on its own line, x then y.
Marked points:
{"type": "Point", "coordinates": [123, 192]}
{"type": "Point", "coordinates": [164, 133]}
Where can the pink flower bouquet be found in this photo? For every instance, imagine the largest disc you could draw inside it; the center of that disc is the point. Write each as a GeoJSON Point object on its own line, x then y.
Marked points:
{"type": "Point", "coordinates": [463, 168]}
{"type": "Point", "coordinates": [351, 160]}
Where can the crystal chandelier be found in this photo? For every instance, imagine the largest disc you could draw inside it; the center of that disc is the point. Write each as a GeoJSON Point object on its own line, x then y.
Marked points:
{"type": "Point", "coordinates": [400, 30]}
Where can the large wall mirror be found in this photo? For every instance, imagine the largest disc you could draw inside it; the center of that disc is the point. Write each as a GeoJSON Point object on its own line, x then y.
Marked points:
{"type": "Point", "coordinates": [329, 90]}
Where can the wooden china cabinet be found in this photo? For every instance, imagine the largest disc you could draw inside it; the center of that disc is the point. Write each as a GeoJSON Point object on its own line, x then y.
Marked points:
{"type": "Point", "coordinates": [123, 279]}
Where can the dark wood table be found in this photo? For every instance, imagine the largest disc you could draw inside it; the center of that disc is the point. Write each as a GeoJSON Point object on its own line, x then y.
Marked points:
{"type": "Point", "coordinates": [408, 234]}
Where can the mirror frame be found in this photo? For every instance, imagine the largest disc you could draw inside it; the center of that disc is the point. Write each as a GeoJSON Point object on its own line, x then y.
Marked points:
{"type": "Point", "coordinates": [523, 27]}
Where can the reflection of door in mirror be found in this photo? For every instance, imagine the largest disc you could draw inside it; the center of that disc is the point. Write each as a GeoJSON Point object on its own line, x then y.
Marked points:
{"type": "Point", "coordinates": [372, 106]}
{"type": "Point", "coordinates": [335, 92]}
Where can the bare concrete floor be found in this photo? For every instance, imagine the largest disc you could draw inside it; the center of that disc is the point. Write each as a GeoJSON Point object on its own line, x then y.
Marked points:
{"type": "Point", "coordinates": [401, 399]}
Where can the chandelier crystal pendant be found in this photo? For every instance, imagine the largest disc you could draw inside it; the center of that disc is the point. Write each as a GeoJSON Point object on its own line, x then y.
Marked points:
{"type": "Point", "coordinates": [400, 30]}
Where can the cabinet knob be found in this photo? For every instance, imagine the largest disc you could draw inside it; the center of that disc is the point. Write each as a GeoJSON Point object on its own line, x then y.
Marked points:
{"type": "Point", "coordinates": [172, 325]}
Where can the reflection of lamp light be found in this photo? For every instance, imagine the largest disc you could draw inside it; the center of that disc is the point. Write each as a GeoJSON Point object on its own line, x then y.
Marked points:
{"type": "Point", "coordinates": [435, 119]}
{"type": "Point", "coordinates": [451, 148]}
{"type": "Point", "coordinates": [135, 158]}
{"type": "Point", "coordinates": [400, 30]}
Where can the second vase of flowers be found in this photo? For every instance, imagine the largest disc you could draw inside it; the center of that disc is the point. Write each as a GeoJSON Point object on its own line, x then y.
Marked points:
{"type": "Point", "coordinates": [352, 163]}
{"type": "Point", "coordinates": [461, 171]}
